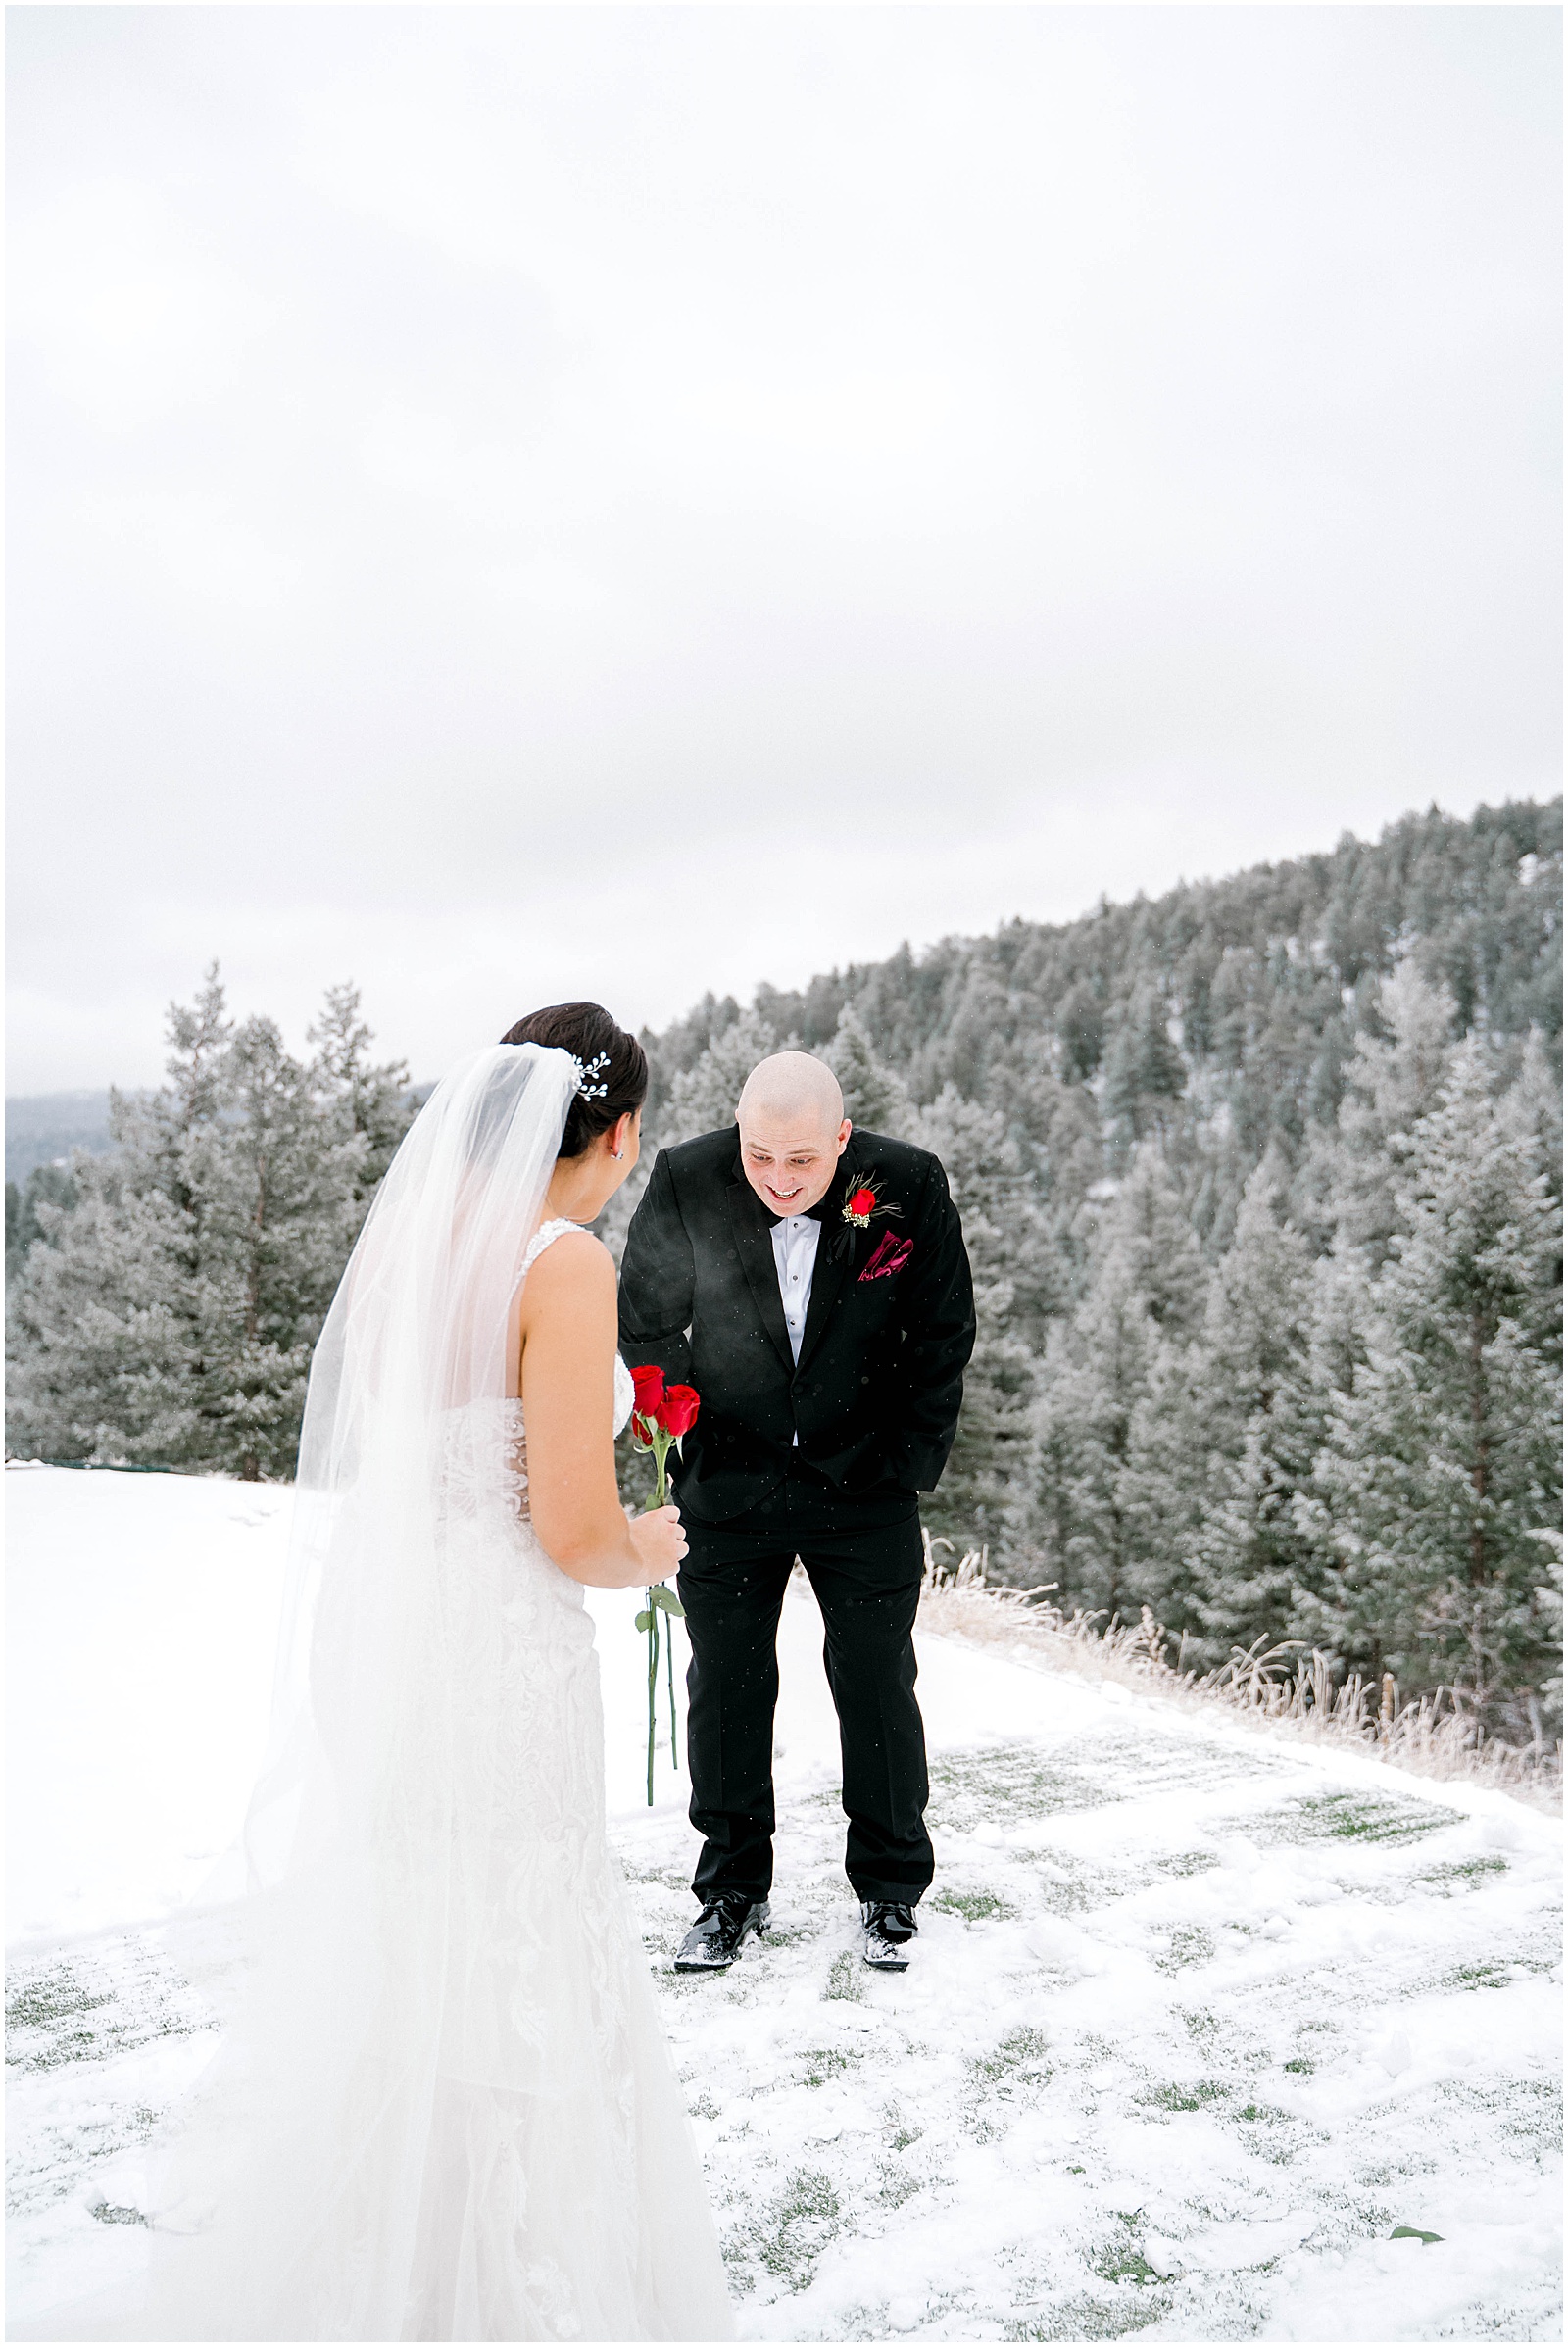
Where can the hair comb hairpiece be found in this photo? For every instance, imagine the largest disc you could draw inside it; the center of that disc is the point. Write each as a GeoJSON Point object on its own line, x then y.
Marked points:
{"type": "Point", "coordinates": [587, 1090]}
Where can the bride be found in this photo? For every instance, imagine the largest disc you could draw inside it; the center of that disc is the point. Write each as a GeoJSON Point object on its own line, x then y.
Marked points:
{"type": "Point", "coordinates": [445, 2108]}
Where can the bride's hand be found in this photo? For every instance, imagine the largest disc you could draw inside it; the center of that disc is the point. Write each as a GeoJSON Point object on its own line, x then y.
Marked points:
{"type": "Point", "coordinates": [659, 1541]}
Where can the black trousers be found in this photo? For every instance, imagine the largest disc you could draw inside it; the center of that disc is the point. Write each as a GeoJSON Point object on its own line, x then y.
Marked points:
{"type": "Point", "coordinates": [867, 1584]}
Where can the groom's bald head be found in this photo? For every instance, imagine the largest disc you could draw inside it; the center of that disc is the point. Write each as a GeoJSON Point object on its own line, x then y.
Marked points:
{"type": "Point", "coordinates": [795, 1086]}
{"type": "Point", "coordinates": [793, 1130]}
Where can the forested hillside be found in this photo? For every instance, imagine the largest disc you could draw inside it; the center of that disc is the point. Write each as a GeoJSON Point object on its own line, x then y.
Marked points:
{"type": "Point", "coordinates": [1261, 1182]}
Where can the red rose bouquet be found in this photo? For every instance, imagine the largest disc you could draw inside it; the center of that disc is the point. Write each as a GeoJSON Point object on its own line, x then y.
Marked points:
{"type": "Point", "coordinates": [661, 1415]}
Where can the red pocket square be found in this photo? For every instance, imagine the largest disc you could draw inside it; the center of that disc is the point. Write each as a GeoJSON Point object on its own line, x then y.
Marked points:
{"type": "Point", "coordinates": [891, 1255]}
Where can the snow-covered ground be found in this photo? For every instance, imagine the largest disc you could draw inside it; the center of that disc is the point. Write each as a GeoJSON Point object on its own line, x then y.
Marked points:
{"type": "Point", "coordinates": [1197, 2019]}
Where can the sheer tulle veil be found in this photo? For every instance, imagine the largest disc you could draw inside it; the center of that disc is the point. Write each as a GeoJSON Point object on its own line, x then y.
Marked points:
{"type": "Point", "coordinates": [421, 1326]}
{"type": "Point", "coordinates": [290, 2204]}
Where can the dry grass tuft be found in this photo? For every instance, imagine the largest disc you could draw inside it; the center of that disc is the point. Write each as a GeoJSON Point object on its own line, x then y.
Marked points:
{"type": "Point", "coordinates": [1279, 1687]}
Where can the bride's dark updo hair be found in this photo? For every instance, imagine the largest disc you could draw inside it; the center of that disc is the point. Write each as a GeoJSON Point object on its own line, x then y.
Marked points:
{"type": "Point", "coordinates": [589, 1032]}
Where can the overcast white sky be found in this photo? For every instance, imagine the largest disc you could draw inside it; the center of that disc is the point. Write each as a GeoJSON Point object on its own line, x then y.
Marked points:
{"type": "Point", "coordinates": [515, 503]}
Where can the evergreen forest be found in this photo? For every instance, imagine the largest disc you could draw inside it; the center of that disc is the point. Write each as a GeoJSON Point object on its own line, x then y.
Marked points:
{"type": "Point", "coordinates": [1262, 1185]}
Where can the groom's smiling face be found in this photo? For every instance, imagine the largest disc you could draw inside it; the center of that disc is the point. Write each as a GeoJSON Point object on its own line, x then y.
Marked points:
{"type": "Point", "coordinates": [789, 1162]}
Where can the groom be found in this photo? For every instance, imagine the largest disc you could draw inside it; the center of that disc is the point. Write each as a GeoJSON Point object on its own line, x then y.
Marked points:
{"type": "Point", "coordinates": [812, 1283]}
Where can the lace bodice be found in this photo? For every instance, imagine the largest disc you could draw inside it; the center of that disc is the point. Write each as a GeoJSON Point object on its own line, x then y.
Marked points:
{"type": "Point", "coordinates": [486, 1458]}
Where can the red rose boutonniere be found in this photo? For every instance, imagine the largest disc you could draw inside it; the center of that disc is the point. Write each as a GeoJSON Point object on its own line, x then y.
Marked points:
{"type": "Point", "coordinates": [864, 1204]}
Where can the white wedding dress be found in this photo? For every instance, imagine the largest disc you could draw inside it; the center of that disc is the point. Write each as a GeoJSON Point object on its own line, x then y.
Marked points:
{"type": "Point", "coordinates": [443, 2107]}
{"type": "Point", "coordinates": [564, 2200]}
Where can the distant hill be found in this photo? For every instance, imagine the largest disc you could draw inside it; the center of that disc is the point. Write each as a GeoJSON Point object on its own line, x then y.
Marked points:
{"type": "Point", "coordinates": [44, 1127]}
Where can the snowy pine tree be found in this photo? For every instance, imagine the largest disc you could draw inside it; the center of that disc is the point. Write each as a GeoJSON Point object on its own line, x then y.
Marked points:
{"type": "Point", "coordinates": [1107, 1500]}
{"type": "Point", "coordinates": [105, 1328]}
{"type": "Point", "coordinates": [169, 1317]}
{"type": "Point", "coordinates": [372, 1103]}
{"type": "Point", "coordinates": [1164, 1261]}
{"type": "Point", "coordinates": [45, 1186]}
{"type": "Point", "coordinates": [277, 1179]}
{"type": "Point", "coordinates": [873, 1096]}
{"type": "Point", "coordinates": [1008, 1237]}
{"type": "Point", "coordinates": [1144, 1072]}
{"type": "Point", "coordinates": [1077, 1518]}
{"type": "Point", "coordinates": [1441, 1459]}
{"type": "Point", "coordinates": [1251, 1426]}
{"type": "Point", "coordinates": [704, 1097]}
{"type": "Point", "coordinates": [1391, 1081]}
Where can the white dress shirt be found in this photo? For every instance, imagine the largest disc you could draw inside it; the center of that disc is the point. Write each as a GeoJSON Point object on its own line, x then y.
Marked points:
{"type": "Point", "coordinates": [795, 1255]}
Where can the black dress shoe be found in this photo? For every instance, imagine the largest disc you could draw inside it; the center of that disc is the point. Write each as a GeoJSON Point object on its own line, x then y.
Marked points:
{"type": "Point", "coordinates": [889, 1928]}
{"type": "Point", "coordinates": [714, 1939]}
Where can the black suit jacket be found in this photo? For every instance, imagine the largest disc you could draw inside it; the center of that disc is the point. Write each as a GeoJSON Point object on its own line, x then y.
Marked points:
{"type": "Point", "coordinates": [888, 1330]}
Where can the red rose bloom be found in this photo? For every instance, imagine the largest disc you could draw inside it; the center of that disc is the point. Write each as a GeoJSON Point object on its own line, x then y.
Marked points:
{"type": "Point", "coordinates": [861, 1202]}
{"type": "Point", "coordinates": [678, 1412]}
{"type": "Point", "coordinates": [648, 1383]}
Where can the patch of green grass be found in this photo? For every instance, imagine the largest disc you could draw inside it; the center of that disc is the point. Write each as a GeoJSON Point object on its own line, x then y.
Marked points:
{"type": "Point", "coordinates": [975, 1906]}
{"type": "Point", "coordinates": [1188, 1944]}
{"type": "Point", "coordinates": [1467, 1874]}
{"type": "Point", "coordinates": [896, 2185]}
{"type": "Point", "coordinates": [1021, 2055]}
{"type": "Point", "coordinates": [1536, 1958]}
{"type": "Point", "coordinates": [790, 2232]}
{"type": "Point", "coordinates": [1074, 1887]}
{"type": "Point", "coordinates": [1147, 1759]}
{"type": "Point", "coordinates": [1126, 2264]}
{"type": "Point", "coordinates": [666, 1878]}
{"type": "Point", "coordinates": [1301, 2064]}
{"type": "Point", "coordinates": [1534, 2119]}
{"type": "Point", "coordinates": [1085, 2317]}
{"type": "Point", "coordinates": [846, 1980]}
{"type": "Point", "coordinates": [1010, 1782]}
{"type": "Point", "coordinates": [1202, 2025]}
{"type": "Point", "coordinates": [1120, 2259]}
{"type": "Point", "coordinates": [1368, 1817]}
{"type": "Point", "coordinates": [1490, 1972]}
{"type": "Point", "coordinates": [1274, 2134]}
{"type": "Point", "coordinates": [105, 2131]}
{"type": "Point", "coordinates": [1187, 1862]}
{"type": "Point", "coordinates": [823, 2061]}
{"type": "Point", "coordinates": [49, 1999]}
{"type": "Point", "coordinates": [1191, 2096]}
{"type": "Point", "coordinates": [58, 2015]}
{"type": "Point", "coordinates": [1527, 2108]}
{"type": "Point", "coordinates": [51, 2009]}
{"type": "Point", "coordinates": [1016, 2066]}
{"type": "Point", "coordinates": [109, 2213]}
